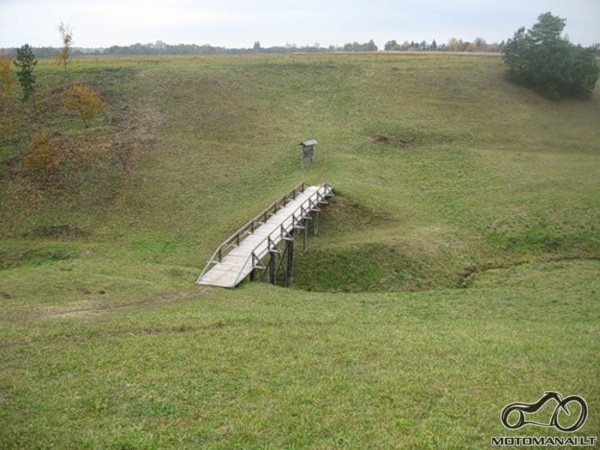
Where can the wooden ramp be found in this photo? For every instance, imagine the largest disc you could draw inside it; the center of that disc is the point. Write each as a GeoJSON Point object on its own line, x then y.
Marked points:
{"type": "Point", "coordinates": [244, 252]}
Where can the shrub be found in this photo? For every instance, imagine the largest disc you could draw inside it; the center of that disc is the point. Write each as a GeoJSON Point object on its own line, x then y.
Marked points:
{"type": "Point", "coordinates": [42, 157]}
{"type": "Point", "coordinates": [85, 101]}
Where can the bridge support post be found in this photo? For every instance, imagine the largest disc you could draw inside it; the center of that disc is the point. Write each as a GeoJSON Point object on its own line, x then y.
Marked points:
{"type": "Point", "coordinates": [316, 223]}
{"type": "Point", "coordinates": [305, 235]}
{"type": "Point", "coordinates": [290, 261]}
{"type": "Point", "coordinates": [273, 267]}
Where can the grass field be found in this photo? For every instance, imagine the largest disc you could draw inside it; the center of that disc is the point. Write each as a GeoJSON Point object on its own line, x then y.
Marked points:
{"type": "Point", "coordinates": [456, 270]}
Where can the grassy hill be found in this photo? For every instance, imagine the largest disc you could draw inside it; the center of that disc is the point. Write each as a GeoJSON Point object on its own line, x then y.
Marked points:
{"type": "Point", "coordinates": [456, 270]}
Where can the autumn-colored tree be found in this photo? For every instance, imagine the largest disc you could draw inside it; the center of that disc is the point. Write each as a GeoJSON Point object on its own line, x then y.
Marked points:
{"type": "Point", "coordinates": [7, 83]}
{"type": "Point", "coordinates": [26, 63]}
{"type": "Point", "coordinates": [66, 36]}
{"type": "Point", "coordinates": [42, 158]}
{"type": "Point", "coordinates": [7, 77]}
{"type": "Point", "coordinates": [84, 101]}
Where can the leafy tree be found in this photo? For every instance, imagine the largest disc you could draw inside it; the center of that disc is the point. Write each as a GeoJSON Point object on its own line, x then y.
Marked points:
{"type": "Point", "coordinates": [67, 38]}
{"type": "Point", "coordinates": [543, 60]}
{"type": "Point", "coordinates": [26, 63]}
{"type": "Point", "coordinates": [356, 47]}
{"type": "Point", "coordinates": [7, 83]}
{"type": "Point", "coordinates": [85, 101]}
{"type": "Point", "coordinates": [371, 47]}
{"type": "Point", "coordinates": [391, 46]}
{"type": "Point", "coordinates": [7, 77]}
{"type": "Point", "coordinates": [480, 44]}
{"type": "Point", "coordinates": [456, 45]}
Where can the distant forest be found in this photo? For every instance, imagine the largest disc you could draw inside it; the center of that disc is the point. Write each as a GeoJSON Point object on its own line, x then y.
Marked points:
{"type": "Point", "coordinates": [162, 48]}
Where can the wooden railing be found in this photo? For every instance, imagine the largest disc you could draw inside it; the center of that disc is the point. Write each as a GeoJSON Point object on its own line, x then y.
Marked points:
{"type": "Point", "coordinates": [252, 225]}
{"type": "Point", "coordinates": [298, 216]}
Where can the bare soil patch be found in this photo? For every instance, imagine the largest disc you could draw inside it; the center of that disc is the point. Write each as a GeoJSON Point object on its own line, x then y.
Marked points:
{"type": "Point", "coordinates": [382, 139]}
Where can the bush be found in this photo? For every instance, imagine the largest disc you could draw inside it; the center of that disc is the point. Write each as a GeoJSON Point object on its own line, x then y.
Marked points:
{"type": "Point", "coordinates": [42, 156]}
{"type": "Point", "coordinates": [85, 101]}
{"type": "Point", "coordinates": [544, 61]}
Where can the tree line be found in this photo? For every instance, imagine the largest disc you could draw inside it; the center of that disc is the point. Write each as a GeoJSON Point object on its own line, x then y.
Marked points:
{"type": "Point", "coordinates": [478, 45]}
{"type": "Point", "coordinates": [162, 48]}
{"type": "Point", "coordinates": [453, 45]}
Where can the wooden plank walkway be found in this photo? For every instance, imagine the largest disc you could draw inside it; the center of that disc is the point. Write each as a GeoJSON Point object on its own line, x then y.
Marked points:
{"type": "Point", "coordinates": [247, 254]}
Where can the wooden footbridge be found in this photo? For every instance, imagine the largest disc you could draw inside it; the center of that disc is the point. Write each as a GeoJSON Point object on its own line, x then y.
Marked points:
{"type": "Point", "coordinates": [254, 251]}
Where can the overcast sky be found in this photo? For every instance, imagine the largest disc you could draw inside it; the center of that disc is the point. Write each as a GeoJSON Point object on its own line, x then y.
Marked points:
{"type": "Point", "coordinates": [239, 23]}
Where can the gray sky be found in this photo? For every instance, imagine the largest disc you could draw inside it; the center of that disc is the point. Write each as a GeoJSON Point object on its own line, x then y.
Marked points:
{"type": "Point", "coordinates": [239, 23]}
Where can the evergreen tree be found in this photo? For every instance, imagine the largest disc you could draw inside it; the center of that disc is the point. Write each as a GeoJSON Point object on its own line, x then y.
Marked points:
{"type": "Point", "coordinates": [543, 60]}
{"type": "Point", "coordinates": [26, 63]}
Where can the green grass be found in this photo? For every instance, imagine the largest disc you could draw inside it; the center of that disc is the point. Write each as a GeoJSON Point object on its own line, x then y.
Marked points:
{"type": "Point", "coordinates": [272, 367]}
{"type": "Point", "coordinates": [456, 270]}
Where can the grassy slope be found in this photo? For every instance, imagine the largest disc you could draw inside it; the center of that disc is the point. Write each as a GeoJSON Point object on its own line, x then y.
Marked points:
{"type": "Point", "coordinates": [106, 343]}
